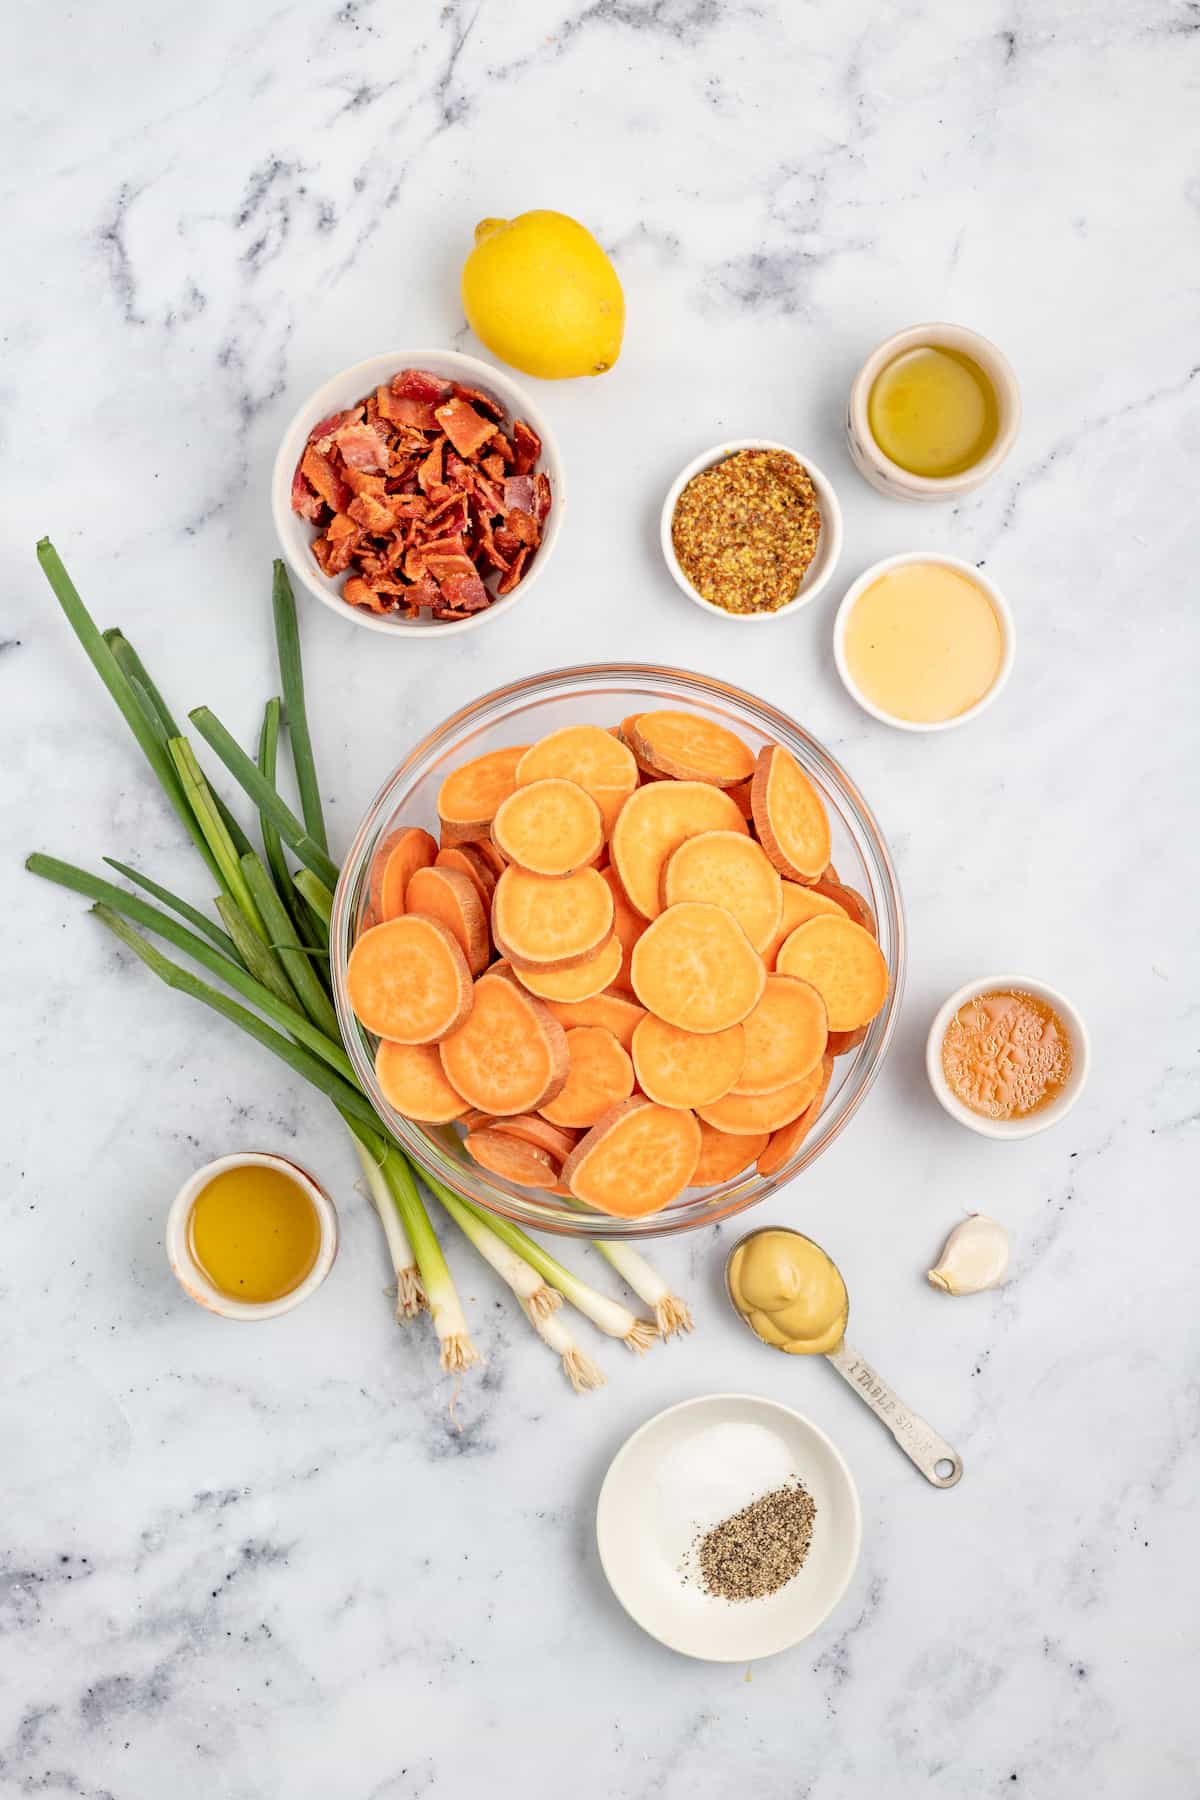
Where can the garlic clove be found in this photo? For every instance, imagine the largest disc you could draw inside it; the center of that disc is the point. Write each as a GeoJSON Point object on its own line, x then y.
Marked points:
{"type": "Point", "coordinates": [974, 1257]}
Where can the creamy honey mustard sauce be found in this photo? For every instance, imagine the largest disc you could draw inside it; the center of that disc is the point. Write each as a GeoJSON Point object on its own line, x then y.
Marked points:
{"type": "Point", "coordinates": [789, 1292]}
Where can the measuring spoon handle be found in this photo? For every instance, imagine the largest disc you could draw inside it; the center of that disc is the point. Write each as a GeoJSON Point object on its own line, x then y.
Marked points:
{"type": "Point", "coordinates": [918, 1440]}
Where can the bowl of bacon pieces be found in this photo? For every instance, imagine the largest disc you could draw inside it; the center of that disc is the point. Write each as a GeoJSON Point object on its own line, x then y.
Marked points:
{"type": "Point", "coordinates": [418, 491]}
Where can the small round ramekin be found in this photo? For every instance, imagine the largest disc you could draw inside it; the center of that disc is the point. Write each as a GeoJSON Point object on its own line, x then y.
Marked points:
{"type": "Point", "coordinates": [1032, 1123]}
{"type": "Point", "coordinates": [887, 476]}
{"type": "Point", "coordinates": [191, 1276]}
{"type": "Point", "coordinates": [999, 606]}
{"type": "Point", "coordinates": [296, 534]}
{"type": "Point", "coordinates": [829, 544]}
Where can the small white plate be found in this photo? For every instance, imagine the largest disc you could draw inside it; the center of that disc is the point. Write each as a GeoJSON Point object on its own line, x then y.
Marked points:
{"type": "Point", "coordinates": [829, 544]}
{"type": "Point", "coordinates": [685, 1471]}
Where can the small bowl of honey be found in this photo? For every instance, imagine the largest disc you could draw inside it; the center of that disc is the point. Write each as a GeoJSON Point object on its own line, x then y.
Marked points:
{"type": "Point", "coordinates": [251, 1236]}
{"type": "Point", "coordinates": [933, 412]}
{"type": "Point", "coordinates": [1007, 1056]}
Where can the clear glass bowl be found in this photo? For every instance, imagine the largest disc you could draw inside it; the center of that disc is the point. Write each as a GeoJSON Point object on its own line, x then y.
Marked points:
{"type": "Point", "coordinates": [604, 694]}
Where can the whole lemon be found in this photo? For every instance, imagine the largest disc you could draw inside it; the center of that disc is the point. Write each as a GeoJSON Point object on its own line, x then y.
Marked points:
{"type": "Point", "coordinates": [541, 294]}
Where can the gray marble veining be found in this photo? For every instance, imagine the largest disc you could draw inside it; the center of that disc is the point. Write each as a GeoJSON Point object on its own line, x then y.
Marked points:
{"type": "Point", "coordinates": [295, 1561]}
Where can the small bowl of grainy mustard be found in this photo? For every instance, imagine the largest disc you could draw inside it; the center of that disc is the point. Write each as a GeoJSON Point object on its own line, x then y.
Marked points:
{"type": "Point", "coordinates": [751, 530]}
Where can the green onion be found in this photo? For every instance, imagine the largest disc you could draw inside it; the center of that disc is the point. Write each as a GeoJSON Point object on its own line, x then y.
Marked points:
{"type": "Point", "coordinates": [671, 1314]}
{"type": "Point", "coordinates": [203, 804]}
{"type": "Point", "coordinates": [287, 946]}
{"type": "Point", "coordinates": [522, 1277]}
{"type": "Point", "coordinates": [410, 1294]}
{"type": "Point", "coordinates": [268, 752]}
{"type": "Point", "coordinates": [580, 1370]}
{"type": "Point", "coordinates": [186, 911]}
{"type": "Point", "coordinates": [316, 893]}
{"type": "Point", "coordinates": [291, 674]}
{"type": "Point", "coordinates": [257, 957]}
{"type": "Point", "coordinates": [248, 776]}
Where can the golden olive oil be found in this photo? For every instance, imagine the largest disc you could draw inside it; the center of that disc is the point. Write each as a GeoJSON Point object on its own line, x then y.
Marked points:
{"type": "Point", "coordinates": [255, 1233]}
{"type": "Point", "coordinates": [933, 411]}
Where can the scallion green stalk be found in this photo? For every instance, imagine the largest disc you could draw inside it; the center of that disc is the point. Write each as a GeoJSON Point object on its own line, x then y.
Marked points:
{"type": "Point", "coordinates": [192, 914]}
{"type": "Point", "coordinates": [316, 893]}
{"type": "Point", "coordinates": [287, 946]}
{"type": "Point", "coordinates": [524, 1280]}
{"type": "Point", "coordinates": [203, 804]}
{"type": "Point", "coordinates": [291, 675]}
{"type": "Point", "coordinates": [249, 777]}
{"type": "Point", "coordinates": [256, 956]}
{"type": "Point", "coordinates": [410, 1294]}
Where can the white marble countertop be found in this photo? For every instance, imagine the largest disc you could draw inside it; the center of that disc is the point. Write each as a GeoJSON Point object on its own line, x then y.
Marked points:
{"type": "Point", "coordinates": [279, 1562]}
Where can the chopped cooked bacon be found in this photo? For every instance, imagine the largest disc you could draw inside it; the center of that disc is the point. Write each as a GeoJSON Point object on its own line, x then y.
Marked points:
{"type": "Point", "coordinates": [420, 496]}
{"type": "Point", "coordinates": [467, 430]}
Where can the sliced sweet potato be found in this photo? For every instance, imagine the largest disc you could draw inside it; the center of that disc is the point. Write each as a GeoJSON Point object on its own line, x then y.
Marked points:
{"type": "Point", "coordinates": [600, 1075]}
{"type": "Point", "coordinates": [595, 759]}
{"type": "Point", "coordinates": [722, 1156]}
{"type": "Point", "coordinates": [745, 1115]}
{"type": "Point", "coordinates": [726, 868]}
{"type": "Point", "coordinates": [696, 968]}
{"type": "Point", "coordinates": [510, 1055]}
{"type": "Point", "coordinates": [453, 898]}
{"type": "Point", "coordinates": [842, 1042]}
{"type": "Point", "coordinates": [475, 1120]}
{"type": "Point", "coordinates": [845, 965]}
{"type": "Point", "coordinates": [635, 1160]}
{"type": "Point", "coordinates": [550, 827]}
{"type": "Point", "coordinates": [628, 925]}
{"type": "Point", "coordinates": [547, 921]}
{"type": "Point", "coordinates": [551, 1138]}
{"type": "Point", "coordinates": [689, 747]}
{"type": "Point", "coordinates": [799, 903]}
{"type": "Point", "coordinates": [618, 1013]}
{"type": "Point", "coordinates": [414, 1082]}
{"type": "Point", "coordinates": [408, 980]}
{"type": "Point", "coordinates": [849, 901]}
{"type": "Point", "coordinates": [468, 798]}
{"type": "Point", "coordinates": [789, 816]}
{"type": "Point", "coordinates": [512, 1159]}
{"type": "Point", "coordinates": [488, 853]}
{"type": "Point", "coordinates": [397, 859]}
{"type": "Point", "coordinates": [785, 1036]}
{"type": "Point", "coordinates": [787, 1140]}
{"type": "Point", "coordinates": [740, 795]}
{"type": "Point", "coordinates": [685, 1068]}
{"type": "Point", "coordinates": [581, 981]}
{"type": "Point", "coordinates": [652, 825]}
{"type": "Point", "coordinates": [467, 860]}
{"type": "Point", "coordinates": [625, 732]}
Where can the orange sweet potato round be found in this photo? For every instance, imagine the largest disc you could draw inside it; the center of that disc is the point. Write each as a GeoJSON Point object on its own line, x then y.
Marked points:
{"type": "Point", "coordinates": [469, 796]}
{"type": "Point", "coordinates": [745, 1115]}
{"type": "Point", "coordinates": [635, 1160]}
{"type": "Point", "coordinates": [599, 1075]}
{"type": "Point", "coordinates": [510, 1055]}
{"type": "Point", "coordinates": [785, 1036]}
{"type": "Point", "coordinates": [722, 1156]}
{"type": "Point", "coordinates": [466, 859]}
{"type": "Point", "coordinates": [590, 756]}
{"type": "Point", "coordinates": [397, 859]}
{"type": "Point", "coordinates": [799, 903]}
{"type": "Point", "coordinates": [550, 827]}
{"type": "Point", "coordinates": [652, 825]}
{"type": "Point", "coordinates": [848, 899]}
{"type": "Point", "coordinates": [512, 1159]}
{"type": "Point", "coordinates": [789, 816]}
{"type": "Point", "coordinates": [579, 981]}
{"type": "Point", "coordinates": [408, 980]}
{"type": "Point", "coordinates": [845, 965]}
{"type": "Point", "coordinates": [684, 1068]}
{"type": "Point", "coordinates": [628, 925]}
{"type": "Point", "coordinates": [553, 1139]}
{"type": "Point", "coordinates": [618, 1013]}
{"type": "Point", "coordinates": [787, 1140]}
{"type": "Point", "coordinates": [726, 868]}
{"type": "Point", "coordinates": [453, 898]}
{"type": "Point", "coordinates": [414, 1082]}
{"type": "Point", "coordinates": [696, 968]}
{"type": "Point", "coordinates": [689, 747]}
{"type": "Point", "coordinates": [547, 921]}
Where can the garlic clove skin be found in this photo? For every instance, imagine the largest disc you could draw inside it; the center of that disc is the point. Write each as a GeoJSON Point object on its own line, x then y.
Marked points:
{"type": "Point", "coordinates": [974, 1257]}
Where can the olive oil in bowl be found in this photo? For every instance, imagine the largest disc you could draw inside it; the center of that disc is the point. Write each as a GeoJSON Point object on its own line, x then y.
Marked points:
{"type": "Point", "coordinates": [251, 1236]}
{"type": "Point", "coordinates": [933, 411]}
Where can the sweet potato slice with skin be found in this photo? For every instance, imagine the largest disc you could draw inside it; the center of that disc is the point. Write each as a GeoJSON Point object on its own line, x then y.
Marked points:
{"type": "Point", "coordinates": [689, 747]}
{"type": "Point", "coordinates": [722, 1156]}
{"type": "Point", "coordinates": [550, 827]}
{"type": "Point", "coordinates": [789, 816]}
{"type": "Point", "coordinates": [842, 1042]}
{"type": "Point", "coordinates": [407, 979]}
{"type": "Point", "coordinates": [468, 862]}
{"type": "Point", "coordinates": [618, 1013]}
{"type": "Point", "coordinates": [635, 1160]}
{"type": "Point", "coordinates": [447, 895]}
{"type": "Point", "coordinates": [512, 1159]}
{"type": "Point", "coordinates": [848, 900]}
{"type": "Point", "coordinates": [786, 1036]}
{"type": "Point", "coordinates": [787, 1140]}
{"type": "Point", "coordinates": [653, 823]}
{"type": "Point", "coordinates": [510, 1054]}
{"type": "Point", "coordinates": [582, 981]}
{"type": "Point", "coordinates": [468, 798]}
{"type": "Point", "coordinates": [488, 853]}
{"type": "Point", "coordinates": [683, 1068]}
{"type": "Point", "coordinates": [845, 965]}
{"type": "Point", "coordinates": [599, 1076]}
{"type": "Point", "coordinates": [799, 903]}
{"type": "Point", "coordinates": [745, 1115]}
{"type": "Point", "coordinates": [553, 1139]}
{"type": "Point", "coordinates": [397, 859]}
{"type": "Point", "coordinates": [628, 925]}
{"type": "Point", "coordinates": [547, 922]}
{"type": "Point", "coordinates": [414, 1082]}
{"type": "Point", "coordinates": [591, 757]}
{"type": "Point", "coordinates": [726, 868]}
{"type": "Point", "coordinates": [696, 968]}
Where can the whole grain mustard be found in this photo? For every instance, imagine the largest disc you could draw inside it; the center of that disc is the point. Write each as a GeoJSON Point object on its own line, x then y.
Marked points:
{"type": "Point", "coordinates": [746, 530]}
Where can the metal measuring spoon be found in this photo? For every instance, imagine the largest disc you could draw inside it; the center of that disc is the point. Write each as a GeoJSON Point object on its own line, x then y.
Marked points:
{"type": "Point", "coordinates": [933, 1456]}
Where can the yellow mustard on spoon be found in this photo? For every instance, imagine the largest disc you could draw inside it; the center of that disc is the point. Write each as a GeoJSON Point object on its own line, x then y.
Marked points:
{"type": "Point", "coordinates": [792, 1296]}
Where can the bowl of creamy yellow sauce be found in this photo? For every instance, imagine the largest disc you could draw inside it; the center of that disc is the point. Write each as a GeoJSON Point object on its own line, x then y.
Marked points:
{"type": "Point", "coordinates": [923, 641]}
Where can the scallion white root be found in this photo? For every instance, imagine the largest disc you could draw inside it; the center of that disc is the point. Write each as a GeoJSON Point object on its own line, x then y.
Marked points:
{"type": "Point", "coordinates": [449, 1320]}
{"type": "Point", "coordinates": [611, 1316]}
{"type": "Point", "coordinates": [538, 1299]}
{"type": "Point", "coordinates": [410, 1294]}
{"type": "Point", "coordinates": [579, 1369]}
{"type": "Point", "coordinates": [671, 1314]}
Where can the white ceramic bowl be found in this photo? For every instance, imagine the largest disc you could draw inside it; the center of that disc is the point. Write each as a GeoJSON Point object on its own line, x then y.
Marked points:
{"type": "Point", "coordinates": [1033, 1122]}
{"type": "Point", "coordinates": [296, 534]}
{"type": "Point", "coordinates": [829, 544]}
{"type": "Point", "coordinates": [685, 1471]}
{"type": "Point", "coordinates": [999, 606]}
{"type": "Point", "coordinates": [888, 477]}
{"type": "Point", "coordinates": [191, 1276]}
